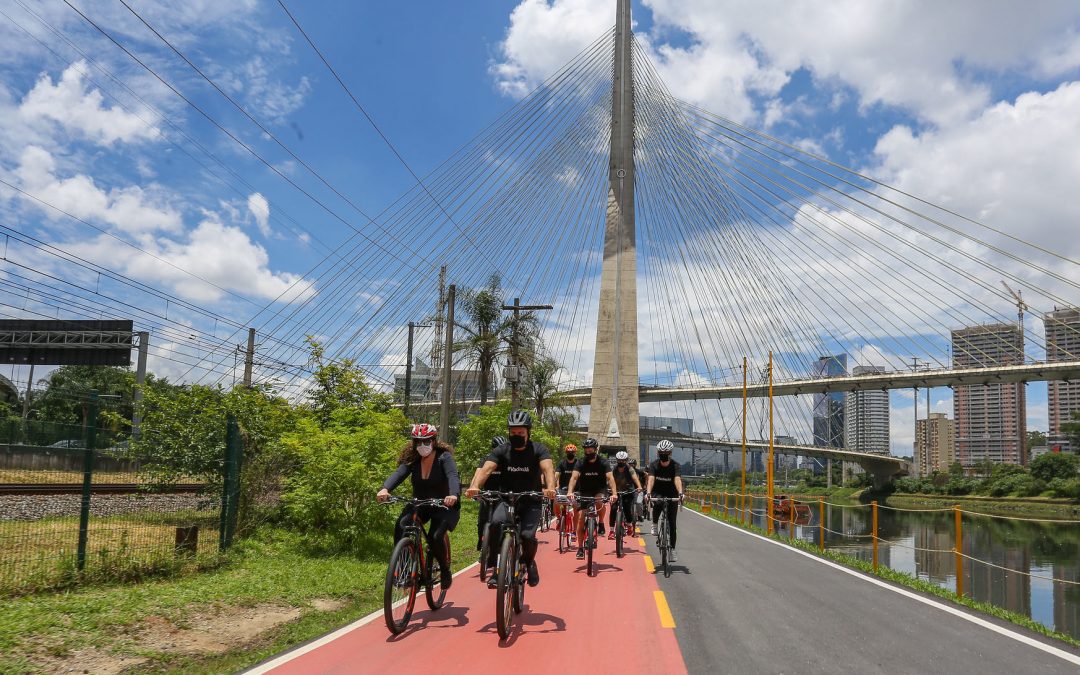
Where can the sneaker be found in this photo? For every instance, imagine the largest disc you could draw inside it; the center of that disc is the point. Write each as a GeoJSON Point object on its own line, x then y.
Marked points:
{"type": "Point", "coordinates": [611, 535]}
{"type": "Point", "coordinates": [533, 574]}
{"type": "Point", "coordinates": [653, 532]}
{"type": "Point", "coordinates": [602, 529]}
{"type": "Point", "coordinates": [493, 579]}
{"type": "Point", "coordinates": [580, 554]}
{"type": "Point", "coordinates": [673, 556]}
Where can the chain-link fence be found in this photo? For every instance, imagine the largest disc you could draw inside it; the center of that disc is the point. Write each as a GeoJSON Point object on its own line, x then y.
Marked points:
{"type": "Point", "coordinates": [83, 507]}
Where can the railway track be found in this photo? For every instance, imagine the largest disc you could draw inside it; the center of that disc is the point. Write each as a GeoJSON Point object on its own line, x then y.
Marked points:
{"type": "Point", "coordinates": [96, 488]}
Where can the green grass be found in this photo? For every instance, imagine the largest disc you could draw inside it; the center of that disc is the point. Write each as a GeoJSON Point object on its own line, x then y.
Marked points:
{"type": "Point", "coordinates": [1013, 506]}
{"type": "Point", "coordinates": [273, 567]}
{"type": "Point", "coordinates": [904, 579]}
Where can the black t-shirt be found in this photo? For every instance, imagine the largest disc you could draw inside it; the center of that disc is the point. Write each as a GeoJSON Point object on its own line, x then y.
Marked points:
{"type": "Point", "coordinates": [592, 478]}
{"type": "Point", "coordinates": [641, 476]}
{"type": "Point", "coordinates": [623, 477]}
{"type": "Point", "coordinates": [520, 468]}
{"type": "Point", "coordinates": [494, 481]}
{"type": "Point", "coordinates": [563, 472]}
{"type": "Point", "coordinates": [442, 480]}
{"type": "Point", "coordinates": [664, 483]}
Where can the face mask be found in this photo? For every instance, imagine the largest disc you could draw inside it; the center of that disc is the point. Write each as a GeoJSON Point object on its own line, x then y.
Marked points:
{"type": "Point", "coordinates": [665, 456]}
{"type": "Point", "coordinates": [622, 463]}
{"type": "Point", "coordinates": [590, 456]}
{"type": "Point", "coordinates": [424, 449]}
{"type": "Point", "coordinates": [517, 442]}
{"type": "Point", "coordinates": [570, 456]}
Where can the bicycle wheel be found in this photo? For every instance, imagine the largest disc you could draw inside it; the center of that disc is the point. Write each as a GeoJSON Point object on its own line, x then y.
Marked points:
{"type": "Point", "coordinates": [663, 544]}
{"type": "Point", "coordinates": [519, 588]}
{"type": "Point", "coordinates": [545, 517]}
{"type": "Point", "coordinates": [399, 590]}
{"type": "Point", "coordinates": [504, 610]}
{"type": "Point", "coordinates": [590, 544]}
{"type": "Point", "coordinates": [434, 589]}
{"type": "Point", "coordinates": [485, 553]}
{"type": "Point", "coordinates": [560, 530]}
{"type": "Point", "coordinates": [620, 530]}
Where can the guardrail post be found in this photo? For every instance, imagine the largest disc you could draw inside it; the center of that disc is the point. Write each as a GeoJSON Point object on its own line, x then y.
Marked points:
{"type": "Point", "coordinates": [959, 548]}
{"type": "Point", "coordinates": [821, 523]}
{"type": "Point", "coordinates": [791, 517]}
{"type": "Point", "coordinates": [89, 439]}
{"type": "Point", "coordinates": [725, 504]}
{"type": "Point", "coordinates": [873, 506]}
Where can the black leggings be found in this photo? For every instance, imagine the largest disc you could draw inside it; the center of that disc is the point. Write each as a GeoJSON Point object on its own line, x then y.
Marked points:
{"type": "Point", "coordinates": [528, 517]}
{"type": "Point", "coordinates": [627, 502]}
{"type": "Point", "coordinates": [482, 521]}
{"type": "Point", "coordinates": [672, 515]}
{"type": "Point", "coordinates": [440, 522]}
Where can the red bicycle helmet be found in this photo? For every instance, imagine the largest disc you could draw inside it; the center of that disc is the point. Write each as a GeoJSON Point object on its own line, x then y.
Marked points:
{"type": "Point", "coordinates": [424, 430]}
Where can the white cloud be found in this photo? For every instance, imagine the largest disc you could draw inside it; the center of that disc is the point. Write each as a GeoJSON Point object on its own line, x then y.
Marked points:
{"type": "Point", "coordinates": [82, 112]}
{"type": "Point", "coordinates": [265, 97]}
{"type": "Point", "coordinates": [132, 209]}
{"type": "Point", "coordinates": [260, 209]}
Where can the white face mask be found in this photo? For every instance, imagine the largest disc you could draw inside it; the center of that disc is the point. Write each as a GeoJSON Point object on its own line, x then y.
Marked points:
{"type": "Point", "coordinates": [424, 449]}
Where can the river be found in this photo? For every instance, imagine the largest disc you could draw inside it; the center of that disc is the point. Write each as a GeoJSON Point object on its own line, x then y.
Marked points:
{"type": "Point", "coordinates": [1047, 555]}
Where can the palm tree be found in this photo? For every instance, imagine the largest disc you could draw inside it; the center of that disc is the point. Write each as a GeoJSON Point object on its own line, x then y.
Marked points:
{"type": "Point", "coordinates": [541, 387]}
{"type": "Point", "coordinates": [489, 331]}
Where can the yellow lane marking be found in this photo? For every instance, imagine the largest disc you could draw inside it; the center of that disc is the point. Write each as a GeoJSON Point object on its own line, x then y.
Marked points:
{"type": "Point", "coordinates": [666, 620]}
{"type": "Point", "coordinates": [648, 564]}
{"type": "Point", "coordinates": [641, 540]}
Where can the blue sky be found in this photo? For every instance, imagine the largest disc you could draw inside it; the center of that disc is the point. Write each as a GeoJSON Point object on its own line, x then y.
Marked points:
{"type": "Point", "coordinates": [950, 103]}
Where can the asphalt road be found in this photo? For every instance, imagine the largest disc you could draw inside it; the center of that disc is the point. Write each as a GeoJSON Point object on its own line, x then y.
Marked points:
{"type": "Point", "coordinates": [744, 604]}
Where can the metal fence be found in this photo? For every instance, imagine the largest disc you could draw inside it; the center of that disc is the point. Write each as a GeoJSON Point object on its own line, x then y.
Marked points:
{"type": "Point", "coordinates": [85, 509]}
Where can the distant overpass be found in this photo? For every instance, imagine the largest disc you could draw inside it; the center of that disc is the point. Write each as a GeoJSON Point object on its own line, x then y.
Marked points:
{"type": "Point", "coordinates": [947, 377]}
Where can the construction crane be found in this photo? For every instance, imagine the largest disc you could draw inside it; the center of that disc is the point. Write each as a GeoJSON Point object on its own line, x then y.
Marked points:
{"type": "Point", "coordinates": [1021, 306]}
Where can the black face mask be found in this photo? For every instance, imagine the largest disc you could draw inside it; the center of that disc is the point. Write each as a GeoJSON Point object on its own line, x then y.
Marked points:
{"type": "Point", "coordinates": [570, 456]}
{"type": "Point", "coordinates": [517, 442]}
{"type": "Point", "coordinates": [590, 456]}
{"type": "Point", "coordinates": [665, 456]}
{"type": "Point", "coordinates": [622, 463]}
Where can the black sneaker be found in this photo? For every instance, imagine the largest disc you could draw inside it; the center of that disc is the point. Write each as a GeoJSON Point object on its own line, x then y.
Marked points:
{"type": "Point", "coordinates": [493, 580]}
{"type": "Point", "coordinates": [581, 554]}
{"type": "Point", "coordinates": [533, 574]}
{"type": "Point", "coordinates": [479, 544]}
{"type": "Point", "coordinates": [602, 530]}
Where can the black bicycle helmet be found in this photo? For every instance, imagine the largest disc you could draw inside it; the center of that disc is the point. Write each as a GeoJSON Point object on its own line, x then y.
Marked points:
{"type": "Point", "coordinates": [519, 418]}
{"type": "Point", "coordinates": [590, 443]}
{"type": "Point", "coordinates": [498, 441]}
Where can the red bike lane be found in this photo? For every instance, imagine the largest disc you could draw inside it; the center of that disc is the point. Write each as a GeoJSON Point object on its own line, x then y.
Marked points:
{"type": "Point", "coordinates": [610, 623]}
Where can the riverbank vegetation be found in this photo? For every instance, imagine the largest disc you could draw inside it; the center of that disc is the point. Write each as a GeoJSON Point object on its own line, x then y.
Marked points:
{"type": "Point", "coordinates": [1053, 475]}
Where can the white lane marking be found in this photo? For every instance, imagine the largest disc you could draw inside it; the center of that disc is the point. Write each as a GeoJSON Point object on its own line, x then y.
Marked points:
{"type": "Point", "coordinates": [326, 639]}
{"type": "Point", "coordinates": [1060, 653]}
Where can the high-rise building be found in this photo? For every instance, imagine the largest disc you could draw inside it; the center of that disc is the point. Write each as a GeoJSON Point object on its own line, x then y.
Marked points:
{"type": "Point", "coordinates": [991, 419]}
{"type": "Point", "coordinates": [866, 416]}
{"type": "Point", "coordinates": [1062, 344]}
{"type": "Point", "coordinates": [829, 408]}
{"type": "Point", "coordinates": [935, 443]}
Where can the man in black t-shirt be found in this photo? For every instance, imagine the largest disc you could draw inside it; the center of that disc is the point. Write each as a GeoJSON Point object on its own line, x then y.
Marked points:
{"type": "Point", "coordinates": [493, 483]}
{"type": "Point", "coordinates": [626, 478]}
{"type": "Point", "coordinates": [665, 480]}
{"type": "Point", "coordinates": [591, 478]}
{"type": "Point", "coordinates": [522, 464]}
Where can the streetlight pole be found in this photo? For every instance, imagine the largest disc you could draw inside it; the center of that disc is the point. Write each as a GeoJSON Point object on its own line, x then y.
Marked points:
{"type": "Point", "coordinates": [515, 382]}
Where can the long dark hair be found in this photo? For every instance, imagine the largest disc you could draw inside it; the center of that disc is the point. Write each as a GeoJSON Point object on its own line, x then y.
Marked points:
{"type": "Point", "coordinates": [409, 454]}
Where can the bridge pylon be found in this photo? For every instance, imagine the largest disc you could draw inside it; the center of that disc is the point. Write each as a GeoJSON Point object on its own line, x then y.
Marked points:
{"type": "Point", "coordinates": [613, 406]}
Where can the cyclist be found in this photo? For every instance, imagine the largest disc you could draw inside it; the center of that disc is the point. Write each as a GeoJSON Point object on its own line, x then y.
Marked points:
{"type": "Point", "coordinates": [665, 480]}
{"type": "Point", "coordinates": [522, 463]}
{"type": "Point", "coordinates": [625, 478]}
{"type": "Point", "coordinates": [430, 466]}
{"type": "Point", "coordinates": [563, 471]}
{"type": "Point", "coordinates": [642, 479]}
{"type": "Point", "coordinates": [592, 476]}
{"type": "Point", "coordinates": [492, 484]}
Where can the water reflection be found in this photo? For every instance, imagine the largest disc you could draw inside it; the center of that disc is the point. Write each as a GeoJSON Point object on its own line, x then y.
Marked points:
{"type": "Point", "coordinates": [921, 544]}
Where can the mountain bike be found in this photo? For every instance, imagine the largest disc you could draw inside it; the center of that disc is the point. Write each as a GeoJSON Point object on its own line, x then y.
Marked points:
{"type": "Point", "coordinates": [591, 521]}
{"type": "Point", "coordinates": [411, 566]}
{"type": "Point", "coordinates": [663, 533]}
{"type": "Point", "coordinates": [545, 516]}
{"type": "Point", "coordinates": [565, 524]}
{"type": "Point", "coordinates": [511, 571]}
{"type": "Point", "coordinates": [621, 526]}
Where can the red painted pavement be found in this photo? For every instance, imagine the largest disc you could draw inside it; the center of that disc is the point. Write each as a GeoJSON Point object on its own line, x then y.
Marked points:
{"type": "Point", "coordinates": [571, 622]}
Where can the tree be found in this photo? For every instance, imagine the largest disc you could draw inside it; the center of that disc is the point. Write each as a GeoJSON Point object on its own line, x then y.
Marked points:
{"type": "Point", "coordinates": [541, 388]}
{"type": "Point", "coordinates": [1072, 430]}
{"type": "Point", "coordinates": [1035, 439]}
{"type": "Point", "coordinates": [1055, 465]}
{"type": "Point", "coordinates": [339, 385]}
{"type": "Point", "coordinates": [489, 331]}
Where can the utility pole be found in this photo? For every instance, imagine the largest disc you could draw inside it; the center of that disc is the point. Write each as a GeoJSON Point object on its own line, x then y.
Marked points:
{"type": "Point", "coordinates": [409, 365]}
{"type": "Point", "coordinates": [140, 381]}
{"type": "Point", "coordinates": [514, 371]}
{"type": "Point", "coordinates": [769, 468]}
{"type": "Point", "coordinates": [249, 358]}
{"type": "Point", "coordinates": [915, 435]}
{"type": "Point", "coordinates": [444, 408]}
{"type": "Point", "coordinates": [26, 399]}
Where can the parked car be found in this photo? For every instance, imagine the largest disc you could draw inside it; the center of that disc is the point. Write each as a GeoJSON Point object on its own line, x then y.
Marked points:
{"type": "Point", "coordinates": [70, 443]}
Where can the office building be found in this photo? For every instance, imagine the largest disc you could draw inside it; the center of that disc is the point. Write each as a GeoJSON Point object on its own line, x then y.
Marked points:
{"type": "Point", "coordinates": [991, 419]}
{"type": "Point", "coordinates": [935, 444]}
{"type": "Point", "coordinates": [866, 417]}
{"type": "Point", "coordinates": [828, 422]}
{"type": "Point", "coordinates": [1062, 344]}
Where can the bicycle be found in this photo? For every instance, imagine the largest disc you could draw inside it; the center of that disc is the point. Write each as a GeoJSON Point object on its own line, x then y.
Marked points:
{"type": "Point", "coordinates": [565, 524]}
{"type": "Point", "coordinates": [511, 571]}
{"type": "Point", "coordinates": [663, 535]}
{"type": "Point", "coordinates": [591, 520]}
{"type": "Point", "coordinates": [621, 526]}
{"type": "Point", "coordinates": [485, 540]}
{"type": "Point", "coordinates": [411, 566]}
{"type": "Point", "coordinates": [545, 516]}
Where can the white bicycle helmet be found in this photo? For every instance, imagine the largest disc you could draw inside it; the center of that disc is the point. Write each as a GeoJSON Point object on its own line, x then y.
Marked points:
{"type": "Point", "coordinates": [665, 446]}
{"type": "Point", "coordinates": [622, 454]}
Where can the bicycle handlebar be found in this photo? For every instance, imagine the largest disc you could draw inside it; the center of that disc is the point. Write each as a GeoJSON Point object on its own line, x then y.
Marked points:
{"type": "Point", "coordinates": [417, 502]}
